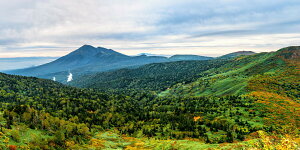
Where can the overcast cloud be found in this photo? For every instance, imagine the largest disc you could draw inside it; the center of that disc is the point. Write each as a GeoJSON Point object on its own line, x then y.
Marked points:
{"type": "Point", "coordinates": [204, 27]}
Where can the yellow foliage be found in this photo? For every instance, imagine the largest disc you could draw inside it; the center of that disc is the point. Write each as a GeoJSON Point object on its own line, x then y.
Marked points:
{"type": "Point", "coordinates": [134, 148]}
{"type": "Point", "coordinates": [281, 109]}
{"type": "Point", "coordinates": [268, 142]}
{"type": "Point", "coordinates": [6, 140]}
{"type": "Point", "coordinates": [196, 118]}
{"type": "Point", "coordinates": [69, 143]}
{"type": "Point", "coordinates": [139, 144]}
{"type": "Point", "coordinates": [97, 142]}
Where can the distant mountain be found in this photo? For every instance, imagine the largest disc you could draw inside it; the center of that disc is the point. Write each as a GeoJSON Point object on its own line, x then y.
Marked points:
{"type": "Point", "coordinates": [189, 57]}
{"type": "Point", "coordinates": [84, 56]}
{"type": "Point", "coordinates": [149, 54]}
{"type": "Point", "coordinates": [236, 54]}
{"type": "Point", "coordinates": [88, 59]}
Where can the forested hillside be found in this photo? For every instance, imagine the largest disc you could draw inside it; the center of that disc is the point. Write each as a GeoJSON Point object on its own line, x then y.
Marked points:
{"type": "Point", "coordinates": [68, 117]}
{"type": "Point", "coordinates": [153, 77]}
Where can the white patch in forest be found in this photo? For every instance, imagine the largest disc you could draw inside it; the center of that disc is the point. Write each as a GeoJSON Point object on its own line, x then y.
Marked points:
{"type": "Point", "coordinates": [54, 79]}
{"type": "Point", "coordinates": [70, 77]}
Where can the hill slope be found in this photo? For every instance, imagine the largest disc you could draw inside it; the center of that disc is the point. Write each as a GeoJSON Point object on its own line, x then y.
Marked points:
{"type": "Point", "coordinates": [234, 77]}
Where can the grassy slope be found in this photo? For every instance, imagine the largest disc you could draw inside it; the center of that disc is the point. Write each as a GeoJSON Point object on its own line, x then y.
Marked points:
{"type": "Point", "coordinates": [229, 79]}
{"type": "Point", "coordinates": [271, 78]}
{"type": "Point", "coordinates": [278, 93]}
{"type": "Point", "coordinates": [20, 136]}
{"type": "Point", "coordinates": [113, 140]}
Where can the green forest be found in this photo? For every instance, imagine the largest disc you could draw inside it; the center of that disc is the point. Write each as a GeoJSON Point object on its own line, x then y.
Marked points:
{"type": "Point", "coordinates": [246, 102]}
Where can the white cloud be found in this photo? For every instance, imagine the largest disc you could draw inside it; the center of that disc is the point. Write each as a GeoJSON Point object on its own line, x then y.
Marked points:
{"type": "Point", "coordinates": [185, 26]}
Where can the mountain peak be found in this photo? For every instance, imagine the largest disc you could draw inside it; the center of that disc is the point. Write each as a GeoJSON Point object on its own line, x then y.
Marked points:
{"type": "Point", "coordinates": [85, 50]}
{"type": "Point", "coordinates": [242, 52]}
{"type": "Point", "coordinates": [88, 50]}
{"type": "Point", "coordinates": [238, 53]}
{"type": "Point", "coordinates": [86, 46]}
{"type": "Point", "coordinates": [292, 52]}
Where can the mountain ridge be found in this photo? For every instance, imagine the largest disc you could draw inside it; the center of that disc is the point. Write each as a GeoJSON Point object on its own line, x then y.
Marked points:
{"type": "Point", "coordinates": [178, 57]}
{"type": "Point", "coordinates": [236, 54]}
{"type": "Point", "coordinates": [88, 59]}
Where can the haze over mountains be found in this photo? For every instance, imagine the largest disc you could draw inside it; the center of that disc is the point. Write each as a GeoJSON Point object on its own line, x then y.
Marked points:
{"type": "Point", "coordinates": [88, 59]}
{"type": "Point", "coordinates": [23, 62]}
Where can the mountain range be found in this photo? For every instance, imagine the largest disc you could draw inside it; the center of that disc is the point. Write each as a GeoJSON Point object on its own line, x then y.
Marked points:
{"type": "Point", "coordinates": [88, 59]}
{"type": "Point", "coordinates": [199, 78]}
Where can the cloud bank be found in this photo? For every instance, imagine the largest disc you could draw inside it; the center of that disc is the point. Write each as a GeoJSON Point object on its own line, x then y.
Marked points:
{"type": "Point", "coordinates": [205, 27]}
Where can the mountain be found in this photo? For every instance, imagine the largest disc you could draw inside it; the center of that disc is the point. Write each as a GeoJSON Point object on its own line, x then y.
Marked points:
{"type": "Point", "coordinates": [189, 57]}
{"type": "Point", "coordinates": [149, 54]}
{"type": "Point", "coordinates": [88, 59]}
{"type": "Point", "coordinates": [236, 54]}
{"type": "Point", "coordinates": [84, 60]}
{"type": "Point", "coordinates": [84, 56]}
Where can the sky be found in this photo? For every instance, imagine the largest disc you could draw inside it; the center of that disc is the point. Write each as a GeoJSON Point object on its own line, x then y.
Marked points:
{"type": "Point", "coordinates": [30, 28]}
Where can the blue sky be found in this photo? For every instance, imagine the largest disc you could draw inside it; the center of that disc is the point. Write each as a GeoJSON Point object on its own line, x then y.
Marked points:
{"type": "Point", "coordinates": [203, 27]}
